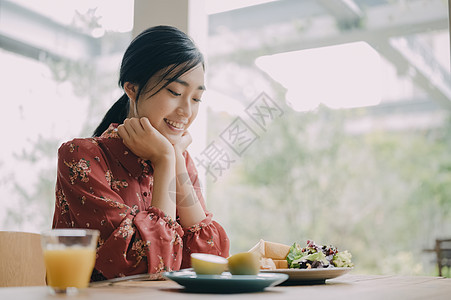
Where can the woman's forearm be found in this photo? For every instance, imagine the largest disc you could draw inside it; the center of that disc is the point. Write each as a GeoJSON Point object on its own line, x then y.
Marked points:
{"type": "Point", "coordinates": [189, 208]}
{"type": "Point", "coordinates": [164, 187]}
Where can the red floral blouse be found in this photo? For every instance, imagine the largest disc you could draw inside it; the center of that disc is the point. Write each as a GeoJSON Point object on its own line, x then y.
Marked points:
{"type": "Point", "coordinates": [102, 185]}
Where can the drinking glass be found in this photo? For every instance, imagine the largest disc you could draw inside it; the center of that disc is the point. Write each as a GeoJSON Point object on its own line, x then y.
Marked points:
{"type": "Point", "coordinates": [69, 256]}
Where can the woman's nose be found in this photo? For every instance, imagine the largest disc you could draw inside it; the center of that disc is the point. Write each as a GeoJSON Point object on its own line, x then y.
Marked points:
{"type": "Point", "coordinates": [184, 108]}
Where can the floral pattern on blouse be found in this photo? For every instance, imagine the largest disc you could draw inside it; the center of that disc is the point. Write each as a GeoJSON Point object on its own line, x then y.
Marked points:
{"type": "Point", "coordinates": [161, 266]}
{"type": "Point", "coordinates": [140, 247]}
{"type": "Point", "coordinates": [197, 227]}
{"type": "Point", "coordinates": [115, 184]}
{"type": "Point", "coordinates": [102, 185]}
{"type": "Point", "coordinates": [78, 169]}
{"type": "Point", "coordinates": [211, 242]}
{"type": "Point", "coordinates": [125, 229]}
{"type": "Point", "coordinates": [61, 201]}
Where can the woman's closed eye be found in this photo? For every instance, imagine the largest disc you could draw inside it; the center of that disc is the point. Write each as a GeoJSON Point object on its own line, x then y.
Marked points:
{"type": "Point", "coordinates": [179, 94]}
{"type": "Point", "coordinates": [174, 93]}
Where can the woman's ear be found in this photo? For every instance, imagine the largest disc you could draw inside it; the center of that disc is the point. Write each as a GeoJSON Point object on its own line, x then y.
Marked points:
{"type": "Point", "coordinates": [131, 90]}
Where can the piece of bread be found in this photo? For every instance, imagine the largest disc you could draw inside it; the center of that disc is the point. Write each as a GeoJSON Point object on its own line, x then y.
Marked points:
{"type": "Point", "coordinates": [276, 250]}
{"type": "Point", "coordinates": [272, 255]}
{"type": "Point", "coordinates": [280, 263]}
{"type": "Point", "coordinates": [271, 249]}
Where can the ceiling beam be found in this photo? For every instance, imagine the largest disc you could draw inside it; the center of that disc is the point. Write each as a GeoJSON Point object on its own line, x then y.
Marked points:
{"type": "Point", "coordinates": [382, 22]}
{"type": "Point", "coordinates": [31, 34]}
{"type": "Point", "coordinates": [407, 54]}
{"type": "Point", "coordinates": [258, 16]}
{"type": "Point", "coordinates": [346, 12]}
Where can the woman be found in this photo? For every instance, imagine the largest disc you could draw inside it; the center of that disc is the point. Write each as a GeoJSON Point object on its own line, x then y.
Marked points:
{"type": "Point", "coordinates": [128, 180]}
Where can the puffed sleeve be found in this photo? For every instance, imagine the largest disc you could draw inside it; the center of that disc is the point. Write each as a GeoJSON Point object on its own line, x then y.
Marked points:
{"type": "Point", "coordinates": [208, 236]}
{"type": "Point", "coordinates": [131, 241]}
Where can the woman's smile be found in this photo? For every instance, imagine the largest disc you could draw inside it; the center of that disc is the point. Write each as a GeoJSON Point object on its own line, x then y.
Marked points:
{"type": "Point", "coordinates": [177, 126]}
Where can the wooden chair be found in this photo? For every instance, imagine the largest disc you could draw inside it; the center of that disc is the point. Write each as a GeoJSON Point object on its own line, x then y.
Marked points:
{"type": "Point", "coordinates": [443, 253]}
{"type": "Point", "coordinates": [21, 259]}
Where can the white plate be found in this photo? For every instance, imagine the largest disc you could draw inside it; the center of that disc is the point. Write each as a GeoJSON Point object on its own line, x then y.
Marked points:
{"type": "Point", "coordinates": [225, 283]}
{"type": "Point", "coordinates": [310, 275]}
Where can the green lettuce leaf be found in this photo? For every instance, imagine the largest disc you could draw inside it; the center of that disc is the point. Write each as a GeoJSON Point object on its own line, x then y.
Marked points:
{"type": "Point", "coordinates": [342, 259]}
{"type": "Point", "coordinates": [294, 254]}
{"type": "Point", "coordinates": [318, 256]}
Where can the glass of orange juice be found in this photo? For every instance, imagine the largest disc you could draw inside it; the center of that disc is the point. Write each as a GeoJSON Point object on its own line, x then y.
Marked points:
{"type": "Point", "coordinates": [69, 256]}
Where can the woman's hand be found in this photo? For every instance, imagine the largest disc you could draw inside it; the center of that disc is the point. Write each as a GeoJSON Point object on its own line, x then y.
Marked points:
{"type": "Point", "coordinates": [145, 141]}
{"type": "Point", "coordinates": [183, 143]}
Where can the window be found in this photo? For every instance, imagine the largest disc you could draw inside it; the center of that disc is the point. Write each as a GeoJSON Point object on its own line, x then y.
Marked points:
{"type": "Point", "coordinates": [59, 68]}
{"type": "Point", "coordinates": [340, 111]}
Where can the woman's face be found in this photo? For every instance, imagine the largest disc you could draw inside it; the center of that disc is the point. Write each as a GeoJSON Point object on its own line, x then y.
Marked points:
{"type": "Point", "coordinates": [172, 110]}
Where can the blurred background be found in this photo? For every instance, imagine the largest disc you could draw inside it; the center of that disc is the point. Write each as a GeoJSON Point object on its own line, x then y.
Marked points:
{"type": "Point", "coordinates": [326, 120]}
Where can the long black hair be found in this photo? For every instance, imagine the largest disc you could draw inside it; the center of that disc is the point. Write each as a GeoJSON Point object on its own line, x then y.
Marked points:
{"type": "Point", "coordinates": [159, 48]}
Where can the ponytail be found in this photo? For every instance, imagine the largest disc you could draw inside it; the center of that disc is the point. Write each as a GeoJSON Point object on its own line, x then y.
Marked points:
{"type": "Point", "coordinates": [116, 114]}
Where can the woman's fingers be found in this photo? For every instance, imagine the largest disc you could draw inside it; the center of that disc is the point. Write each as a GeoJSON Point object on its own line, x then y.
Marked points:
{"type": "Point", "coordinates": [133, 126]}
{"type": "Point", "coordinates": [146, 125]}
{"type": "Point", "coordinates": [122, 131]}
{"type": "Point", "coordinates": [184, 142]}
{"type": "Point", "coordinates": [143, 139]}
{"type": "Point", "coordinates": [130, 130]}
{"type": "Point", "coordinates": [186, 139]}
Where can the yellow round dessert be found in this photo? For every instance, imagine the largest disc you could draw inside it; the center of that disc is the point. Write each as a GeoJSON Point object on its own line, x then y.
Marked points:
{"type": "Point", "coordinates": [208, 264]}
{"type": "Point", "coordinates": [244, 263]}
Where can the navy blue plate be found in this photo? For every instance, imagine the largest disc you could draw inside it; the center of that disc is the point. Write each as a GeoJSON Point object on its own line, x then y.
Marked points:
{"type": "Point", "coordinates": [226, 282]}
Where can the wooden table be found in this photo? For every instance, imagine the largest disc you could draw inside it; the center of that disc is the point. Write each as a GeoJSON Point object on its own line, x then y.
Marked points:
{"type": "Point", "coordinates": [347, 287]}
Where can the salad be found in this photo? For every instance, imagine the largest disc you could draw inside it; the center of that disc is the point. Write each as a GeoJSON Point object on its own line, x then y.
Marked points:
{"type": "Point", "coordinates": [315, 256]}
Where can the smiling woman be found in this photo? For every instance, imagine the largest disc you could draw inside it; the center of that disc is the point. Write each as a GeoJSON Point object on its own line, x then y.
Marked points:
{"type": "Point", "coordinates": [128, 180]}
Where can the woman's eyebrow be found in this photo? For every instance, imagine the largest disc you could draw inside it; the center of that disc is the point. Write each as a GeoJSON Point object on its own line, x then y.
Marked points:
{"type": "Point", "coordinates": [184, 83]}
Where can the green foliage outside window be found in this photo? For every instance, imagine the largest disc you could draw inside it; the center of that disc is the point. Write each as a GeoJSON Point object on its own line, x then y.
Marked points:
{"type": "Point", "coordinates": [383, 195]}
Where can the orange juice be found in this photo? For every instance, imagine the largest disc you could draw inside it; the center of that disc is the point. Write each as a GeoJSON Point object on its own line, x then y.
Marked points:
{"type": "Point", "coordinates": [69, 267]}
